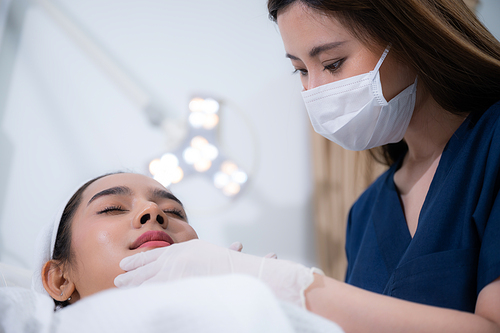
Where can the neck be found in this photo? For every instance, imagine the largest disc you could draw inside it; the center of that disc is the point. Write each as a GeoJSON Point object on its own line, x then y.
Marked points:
{"type": "Point", "coordinates": [430, 128]}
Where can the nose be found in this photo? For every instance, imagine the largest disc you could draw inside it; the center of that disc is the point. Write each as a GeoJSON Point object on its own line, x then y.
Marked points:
{"type": "Point", "coordinates": [313, 81]}
{"type": "Point", "coordinates": [315, 77]}
{"type": "Point", "coordinates": [151, 214]}
{"type": "Point", "coordinates": [146, 217]}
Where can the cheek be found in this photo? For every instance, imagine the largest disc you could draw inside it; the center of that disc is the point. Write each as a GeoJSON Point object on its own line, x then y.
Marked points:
{"type": "Point", "coordinates": [98, 254]}
{"type": "Point", "coordinates": [189, 234]}
{"type": "Point", "coordinates": [182, 232]}
{"type": "Point", "coordinates": [91, 242]}
{"type": "Point", "coordinates": [193, 234]}
{"type": "Point", "coordinates": [103, 238]}
{"type": "Point", "coordinates": [109, 247]}
{"type": "Point", "coordinates": [97, 249]}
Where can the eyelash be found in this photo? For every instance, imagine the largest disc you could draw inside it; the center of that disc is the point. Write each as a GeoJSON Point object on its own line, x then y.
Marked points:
{"type": "Point", "coordinates": [175, 212]}
{"type": "Point", "coordinates": [332, 68]}
{"type": "Point", "coordinates": [111, 209]}
{"type": "Point", "coordinates": [302, 72]}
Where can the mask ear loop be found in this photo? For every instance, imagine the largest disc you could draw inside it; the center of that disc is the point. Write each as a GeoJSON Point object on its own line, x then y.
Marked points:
{"type": "Point", "coordinates": [377, 91]}
{"type": "Point", "coordinates": [381, 60]}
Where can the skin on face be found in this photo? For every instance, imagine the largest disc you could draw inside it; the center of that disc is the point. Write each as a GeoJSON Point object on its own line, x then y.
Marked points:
{"type": "Point", "coordinates": [107, 223]}
{"type": "Point", "coordinates": [323, 51]}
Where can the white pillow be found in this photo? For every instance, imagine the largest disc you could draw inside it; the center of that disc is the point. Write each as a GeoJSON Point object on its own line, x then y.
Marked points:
{"type": "Point", "coordinates": [12, 276]}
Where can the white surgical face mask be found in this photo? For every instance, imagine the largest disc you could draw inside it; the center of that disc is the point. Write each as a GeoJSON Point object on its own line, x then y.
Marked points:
{"type": "Point", "coordinates": [354, 113]}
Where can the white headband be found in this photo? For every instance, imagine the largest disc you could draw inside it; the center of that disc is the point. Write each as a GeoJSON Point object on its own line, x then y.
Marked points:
{"type": "Point", "coordinates": [44, 249]}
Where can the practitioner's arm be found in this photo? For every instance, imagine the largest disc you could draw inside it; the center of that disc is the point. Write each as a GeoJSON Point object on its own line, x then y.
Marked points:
{"type": "Point", "coordinates": [358, 310]}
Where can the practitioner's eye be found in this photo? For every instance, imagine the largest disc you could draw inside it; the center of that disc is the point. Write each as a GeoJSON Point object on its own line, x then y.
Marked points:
{"type": "Point", "coordinates": [334, 66]}
{"type": "Point", "coordinates": [303, 72]}
{"type": "Point", "coordinates": [111, 210]}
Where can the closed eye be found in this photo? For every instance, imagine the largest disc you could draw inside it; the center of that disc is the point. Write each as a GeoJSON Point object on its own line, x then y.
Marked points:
{"type": "Point", "coordinates": [176, 212]}
{"type": "Point", "coordinates": [111, 210]}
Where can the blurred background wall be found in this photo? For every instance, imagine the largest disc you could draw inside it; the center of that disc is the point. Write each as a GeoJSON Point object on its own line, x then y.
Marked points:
{"type": "Point", "coordinates": [64, 120]}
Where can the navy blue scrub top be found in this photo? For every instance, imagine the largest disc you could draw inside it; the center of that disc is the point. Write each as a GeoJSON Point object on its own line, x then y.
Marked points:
{"type": "Point", "coordinates": [455, 251]}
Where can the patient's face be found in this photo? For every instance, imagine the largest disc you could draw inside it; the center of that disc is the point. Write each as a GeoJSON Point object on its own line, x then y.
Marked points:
{"type": "Point", "coordinates": [115, 211]}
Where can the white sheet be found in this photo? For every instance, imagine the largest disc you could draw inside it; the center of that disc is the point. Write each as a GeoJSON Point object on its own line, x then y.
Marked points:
{"type": "Point", "coordinates": [12, 276]}
{"type": "Point", "coordinates": [217, 304]}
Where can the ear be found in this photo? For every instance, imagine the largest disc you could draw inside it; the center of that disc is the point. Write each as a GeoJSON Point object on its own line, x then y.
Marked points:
{"type": "Point", "coordinates": [56, 282]}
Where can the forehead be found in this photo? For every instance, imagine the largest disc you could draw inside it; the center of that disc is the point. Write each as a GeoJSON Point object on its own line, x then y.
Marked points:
{"type": "Point", "coordinates": [310, 23]}
{"type": "Point", "coordinates": [137, 183]}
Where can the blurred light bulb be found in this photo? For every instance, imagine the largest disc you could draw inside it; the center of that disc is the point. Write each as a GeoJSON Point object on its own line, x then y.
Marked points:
{"type": "Point", "coordinates": [209, 152]}
{"type": "Point", "coordinates": [163, 179]}
{"type": "Point", "coordinates": [221, 179]}
{"type": "Point", "coordinates": [231, 189]}
{"type": "Point", "coordinates": [155, 166]}
{"type": "Point", "coordinates": [210, 121]}
{"type": "Point", "coordinates": [191, 155]}
{"type": "Point", "coordinates": [197, 119]}
{"type": "Point", "coordinates": [239, 177]}
{"type": "Point", "coordinates": [210, 105]}
{"type": "Point", "coordinates": [228, 167]}
{"type": "Point", "coordinates": [196, 104]}
{"type": "Point", "coordinates": [169, 161]}
{"type": "Point", "coordinates": [177, 175]}
{"type": "Point", "coordinates": [199, 142]}
{"type": "Point", "coordinates": [202, 165]}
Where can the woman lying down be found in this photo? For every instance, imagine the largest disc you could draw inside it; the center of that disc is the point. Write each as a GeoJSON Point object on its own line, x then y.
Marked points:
{"type": "Point", "coordinates": [125, 230]}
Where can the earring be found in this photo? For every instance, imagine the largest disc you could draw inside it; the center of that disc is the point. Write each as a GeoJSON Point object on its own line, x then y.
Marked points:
{"type": "Point", "coordinates": [69, 298]}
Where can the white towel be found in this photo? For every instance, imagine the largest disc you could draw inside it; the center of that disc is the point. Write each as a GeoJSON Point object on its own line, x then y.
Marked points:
{"type": "Point", "coordinates": [25, 311]}
{"type": "Point", "coordinates": [231, 303]}
{"type": "Point", "coordinates": [13, 276]}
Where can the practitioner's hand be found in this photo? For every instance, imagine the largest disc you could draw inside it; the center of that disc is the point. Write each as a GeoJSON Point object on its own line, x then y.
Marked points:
{"type": "Point", "coordinates": [288, 280]}
{"type": "Point", "coordinates": [271, 256]}
{"type": "Point", "coordinates": [237, 246]}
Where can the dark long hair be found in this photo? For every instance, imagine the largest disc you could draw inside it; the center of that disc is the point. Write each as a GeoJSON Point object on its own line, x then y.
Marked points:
{"type": "Point", "coordinates": [454, 55]}
{"type": "Point", "coordinates": [62, 246]}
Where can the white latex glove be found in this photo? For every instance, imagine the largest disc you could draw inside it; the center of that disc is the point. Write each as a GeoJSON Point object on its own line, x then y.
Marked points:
{"type": "Point", "coordinates": [288, 280]}
{"type": "Point", "coordinates": [237, 246]}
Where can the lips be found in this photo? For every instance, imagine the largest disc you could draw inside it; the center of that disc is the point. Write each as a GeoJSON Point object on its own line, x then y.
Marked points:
{"type": "Point", "coordinates": [153, 238]}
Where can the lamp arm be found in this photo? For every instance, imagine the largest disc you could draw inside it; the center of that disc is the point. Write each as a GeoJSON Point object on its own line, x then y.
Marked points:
{"type": "Point", "coordinates": [139, 96]}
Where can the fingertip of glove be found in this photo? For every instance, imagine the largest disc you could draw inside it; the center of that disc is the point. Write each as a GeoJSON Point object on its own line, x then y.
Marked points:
{"type": "Point", "coordinates": [118, 281]}
{"type": "Point", "coordinates": [125, 263]}
{"type": "Point", "coordinates": [236, 246]}
{"type": "Point", "coordinates": [271, 256]}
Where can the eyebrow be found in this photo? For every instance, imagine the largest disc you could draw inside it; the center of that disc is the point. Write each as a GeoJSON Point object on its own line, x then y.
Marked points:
{"type": "Point", "coordinates": [124, 190]}
{"type": "Point", "coordinates": [159, 193]}
{"type": "Point", "coordinates": [118, 190]}
{"type": "Point", "coordinates": [318, 49]}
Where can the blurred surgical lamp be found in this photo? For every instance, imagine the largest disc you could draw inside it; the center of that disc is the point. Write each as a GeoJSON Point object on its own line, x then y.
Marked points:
{"type": "Point", "coordinates": [199, 153]}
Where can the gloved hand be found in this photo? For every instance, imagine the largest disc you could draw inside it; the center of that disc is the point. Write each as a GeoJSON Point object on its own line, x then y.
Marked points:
{"type": "Point", "coordinates": [237, 246]}
{"type": "Point", "coordinates": [287, 279]}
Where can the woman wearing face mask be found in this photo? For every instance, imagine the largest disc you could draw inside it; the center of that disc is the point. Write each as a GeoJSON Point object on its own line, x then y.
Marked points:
{"type": "Point", "coordinates": [423, 241]}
